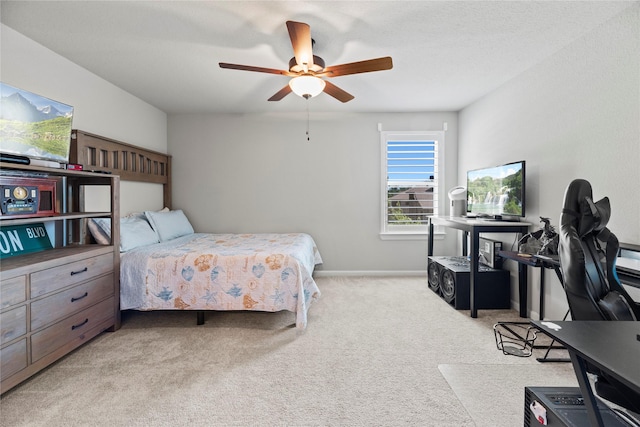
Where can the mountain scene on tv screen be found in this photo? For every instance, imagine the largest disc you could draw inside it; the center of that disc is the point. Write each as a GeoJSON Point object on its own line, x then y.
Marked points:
{"type": "Point", "coordinates": [38, 131]}
{"type": "Point", "coordinates": [496, 195]}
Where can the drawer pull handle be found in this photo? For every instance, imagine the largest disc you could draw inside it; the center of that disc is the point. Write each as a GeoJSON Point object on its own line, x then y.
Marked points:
{"type": "Point", "coordinates": [80, 271]}
{"type": "Point", "coordinates": [86, 294]}
{"type": "Point", "coordinates": [79, 325]}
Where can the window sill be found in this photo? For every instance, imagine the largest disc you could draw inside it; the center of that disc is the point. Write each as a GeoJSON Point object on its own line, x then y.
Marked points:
{"type": "Point", "coordinates": [410, 235]}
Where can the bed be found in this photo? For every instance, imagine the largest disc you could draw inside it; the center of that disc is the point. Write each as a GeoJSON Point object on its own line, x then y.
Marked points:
{"type": "Point", "coordinates": [165, 265]}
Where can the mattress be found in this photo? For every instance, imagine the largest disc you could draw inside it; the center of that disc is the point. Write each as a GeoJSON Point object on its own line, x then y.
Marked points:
{"type": "Point", "coordinates": [261, 272]}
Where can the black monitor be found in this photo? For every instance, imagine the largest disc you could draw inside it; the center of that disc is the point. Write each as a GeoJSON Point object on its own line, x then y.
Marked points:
{"type": "Point", "coordinates": [497, 191]}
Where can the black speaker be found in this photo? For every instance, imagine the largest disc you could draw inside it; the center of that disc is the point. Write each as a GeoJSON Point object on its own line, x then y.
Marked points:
{"type": "Point", "coordinates": [433, 270]}
{"type": "Point", "coordinates": [493, 290]}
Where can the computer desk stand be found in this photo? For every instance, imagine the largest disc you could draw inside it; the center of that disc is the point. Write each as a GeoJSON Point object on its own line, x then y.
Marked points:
{"type": "Point", "coordinates": [551, 346]}
{"type": "Point", "coordinates": [545, 262]}
{"type": "Point", "coordinates": [548, 262]}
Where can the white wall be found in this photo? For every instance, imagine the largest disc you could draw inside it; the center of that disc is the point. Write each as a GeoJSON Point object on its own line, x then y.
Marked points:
{"type": "Point", "coordinates": [258, 173]}
{"type": "Point", "coordinates": [99, 106]}
{"type": "Point", "coordinates": [575, 115]}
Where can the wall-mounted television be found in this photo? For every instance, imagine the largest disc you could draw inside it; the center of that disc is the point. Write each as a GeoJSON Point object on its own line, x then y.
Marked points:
{"type": "Point", "coordinates": [497, 191]}
{"type": "Point", "coordinates": [33, 126]}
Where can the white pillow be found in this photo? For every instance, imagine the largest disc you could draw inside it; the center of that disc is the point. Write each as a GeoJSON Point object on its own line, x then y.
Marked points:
{"type": "Point", "coordinates": [104, 228]}
{"type": "Point", "coordinates": [98, 233]}
{"type": "Point", "coordinates": [135, 232]}
{"type": "Point", "coordinates": [141, 214]}
{"type": "Point", "coordinates": [169, 225]}
{"type": "Point", "coordinates": [100, 228]}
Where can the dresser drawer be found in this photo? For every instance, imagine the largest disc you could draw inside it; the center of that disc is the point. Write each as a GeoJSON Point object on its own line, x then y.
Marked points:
{"type": "Point", "coordinates": [81, 325]}
{"type": "Point", "coordinates": [45, 281]}
{"type": "Point", "coordinates": [13, 291]}
{"type": "Point", "coordinates": [13, 358]}
{"type": "Point", "coordinates": [60, 305]}
{"type": "Point", "coordinates": [13, 323]}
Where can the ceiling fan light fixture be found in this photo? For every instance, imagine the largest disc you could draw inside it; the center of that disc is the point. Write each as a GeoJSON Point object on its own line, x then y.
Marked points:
{"type": "Point", "coordinates": [307, 86]}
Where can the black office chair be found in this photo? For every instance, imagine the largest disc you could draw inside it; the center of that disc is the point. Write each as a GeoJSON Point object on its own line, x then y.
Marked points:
{"type": "Point", "coordinates": [588, 252]}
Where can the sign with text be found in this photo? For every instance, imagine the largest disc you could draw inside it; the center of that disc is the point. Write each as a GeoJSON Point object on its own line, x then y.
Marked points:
{"type": "Point", "coordinates": [23, 239]}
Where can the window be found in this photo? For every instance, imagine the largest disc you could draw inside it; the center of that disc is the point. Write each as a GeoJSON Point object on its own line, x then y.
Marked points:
{"type": "Point", "coordinates": [409, 181]}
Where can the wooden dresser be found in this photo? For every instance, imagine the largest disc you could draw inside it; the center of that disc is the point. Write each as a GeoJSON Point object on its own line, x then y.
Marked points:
{"type": "Point", "coordinates": [56, 299]}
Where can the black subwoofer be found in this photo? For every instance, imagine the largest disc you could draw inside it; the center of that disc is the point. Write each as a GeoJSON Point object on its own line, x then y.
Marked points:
{"type": "Point", "coordinates": [493, 290]}
{"type": "Point", "coordinates": [433, 270]}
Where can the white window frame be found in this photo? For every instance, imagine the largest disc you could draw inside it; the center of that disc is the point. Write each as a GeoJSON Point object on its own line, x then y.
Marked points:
{"type": "Point", "coordinates": [390, 231]}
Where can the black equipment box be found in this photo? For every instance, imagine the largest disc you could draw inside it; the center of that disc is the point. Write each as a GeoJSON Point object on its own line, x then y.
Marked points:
{"type": "Point", "coordinates": [449, 277]}
{"type": "Point", "coordinates": [488, 252]}
{"type": "Point", "coordinates": [565, 407]}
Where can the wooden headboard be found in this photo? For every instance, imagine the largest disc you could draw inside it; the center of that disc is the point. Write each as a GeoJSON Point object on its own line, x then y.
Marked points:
{"type": "Point", "coordinates": [132, 163]}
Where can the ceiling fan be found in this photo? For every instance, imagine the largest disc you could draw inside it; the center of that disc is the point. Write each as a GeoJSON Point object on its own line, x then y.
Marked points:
{"type": "Point", "coordinates": [307, 69]}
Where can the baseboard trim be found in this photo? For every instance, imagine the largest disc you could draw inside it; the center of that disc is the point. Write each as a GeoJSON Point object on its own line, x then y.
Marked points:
{"type": "Point", "coordinates": [376, 273]}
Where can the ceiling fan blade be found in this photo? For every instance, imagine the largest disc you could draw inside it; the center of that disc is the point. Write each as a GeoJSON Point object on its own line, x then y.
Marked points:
{"type": "Point", "coordinates": [300, 35]}
{"type": "Point", "coordinates": [336, 92]}
{"type": "Point", "coordinates": [281, 93]}
{"type": "Point", "coordinates": [378, 64]}
{"type": "Point", "coordinates": [257, 69]}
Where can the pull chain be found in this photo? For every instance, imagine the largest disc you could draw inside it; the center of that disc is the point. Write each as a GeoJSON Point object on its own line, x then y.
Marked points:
{"type": "Point", "coordinates": [308, 138]}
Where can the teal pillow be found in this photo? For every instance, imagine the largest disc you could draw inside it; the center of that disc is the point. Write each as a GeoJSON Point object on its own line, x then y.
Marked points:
{"type": "Point", "coordinates": [169, 225]}
{"type": "Point", "coordinates": [135, 232]}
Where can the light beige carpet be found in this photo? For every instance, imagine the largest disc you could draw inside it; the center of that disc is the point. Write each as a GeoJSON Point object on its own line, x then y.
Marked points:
{"type": "Point", "coordinates": [370, 356]}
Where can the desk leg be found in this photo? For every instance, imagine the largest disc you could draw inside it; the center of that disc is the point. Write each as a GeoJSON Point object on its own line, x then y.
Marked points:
{"type": "Point", "coordinates": [579, 366]}
{"type": "Point", "coordinates": [523, 288]}
{"type": "Point", "coordinates": [541, 310]}
{"type": "Point", "coordinates": [465, 252]}
{"type": "Point", "coordinates": [473, 261]}
{"type": "Point", "coordinates": [430, 239]}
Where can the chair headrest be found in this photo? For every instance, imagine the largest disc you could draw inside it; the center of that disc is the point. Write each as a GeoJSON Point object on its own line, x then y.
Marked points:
{"type": "Point", "coordinates": [581, 212]}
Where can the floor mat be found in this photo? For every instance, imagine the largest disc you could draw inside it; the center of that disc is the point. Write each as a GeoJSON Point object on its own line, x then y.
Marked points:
{"type": "Point", "coordinates": [485, 389]}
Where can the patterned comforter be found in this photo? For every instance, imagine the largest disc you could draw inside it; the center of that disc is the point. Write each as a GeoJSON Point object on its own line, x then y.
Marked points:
{"type": "Point", "coordinates": [262, 272]}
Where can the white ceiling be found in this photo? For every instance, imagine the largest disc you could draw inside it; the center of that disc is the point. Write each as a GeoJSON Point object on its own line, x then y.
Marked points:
{"type": "Point", "coordinates": [446, 54]}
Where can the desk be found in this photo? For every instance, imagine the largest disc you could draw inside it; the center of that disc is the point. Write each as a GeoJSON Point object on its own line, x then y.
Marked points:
{"type": "Point", "coordinates": [628, 264]}
{"type": "Point", "coordinates": [473, 227]}
{"type": "Point", "coordinates": [611, 346]}
{"type": "Point", "coordinates": [543, 261]}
